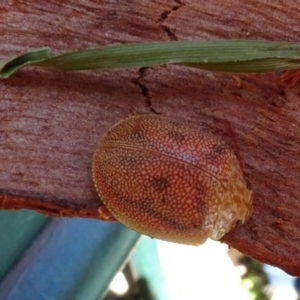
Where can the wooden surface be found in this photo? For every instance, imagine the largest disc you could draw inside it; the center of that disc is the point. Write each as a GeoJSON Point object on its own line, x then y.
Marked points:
{"type": "Point", "coordinates": [50, 122]}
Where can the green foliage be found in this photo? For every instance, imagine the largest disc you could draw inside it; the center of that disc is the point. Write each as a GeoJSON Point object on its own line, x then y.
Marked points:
{"type": "Point", "coordinates": [255, 280]}
{"type": "Point", "coordinates": [217, 55]}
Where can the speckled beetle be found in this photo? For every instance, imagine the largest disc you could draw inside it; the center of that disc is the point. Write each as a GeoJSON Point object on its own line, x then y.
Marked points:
{"type": "Point", "coordinates": [169, 180]}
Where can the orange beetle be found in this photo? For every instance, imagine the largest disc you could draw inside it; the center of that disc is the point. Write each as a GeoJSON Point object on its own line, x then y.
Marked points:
{"type": "Point", "coordinates": [169, 180]}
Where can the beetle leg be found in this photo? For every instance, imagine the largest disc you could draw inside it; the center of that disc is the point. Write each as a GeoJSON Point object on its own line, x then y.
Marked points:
{"type": "Point", "coordinates": [105, 214]}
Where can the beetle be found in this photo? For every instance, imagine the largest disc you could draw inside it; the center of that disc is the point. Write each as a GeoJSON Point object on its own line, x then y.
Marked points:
{"type": "Point", "coordinates": [169, 180]}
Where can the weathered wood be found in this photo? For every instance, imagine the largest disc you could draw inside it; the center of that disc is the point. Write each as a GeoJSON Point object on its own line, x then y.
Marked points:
{"type": "Point", "coordinates": [50, 122]}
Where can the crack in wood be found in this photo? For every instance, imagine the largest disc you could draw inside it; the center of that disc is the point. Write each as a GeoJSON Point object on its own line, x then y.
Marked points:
{"type": "Point", "coordinates": [164, 16]}
{"type": "Point", "coordinates": [143, 88]}
{"type": "Point", "coordinates": [170, 34]}
{"type": "Point", "coordinates": [179, 2]}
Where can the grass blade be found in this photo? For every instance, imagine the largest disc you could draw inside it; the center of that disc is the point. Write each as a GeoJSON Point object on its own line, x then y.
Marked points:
{"type": "Point", "coordinates": [218, 55]}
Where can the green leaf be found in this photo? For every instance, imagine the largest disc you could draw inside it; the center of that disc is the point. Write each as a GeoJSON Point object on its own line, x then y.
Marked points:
{"type": "Point", "coordinates": [31, 58]}
{"type": "Point", "coordinates": [218, 55]}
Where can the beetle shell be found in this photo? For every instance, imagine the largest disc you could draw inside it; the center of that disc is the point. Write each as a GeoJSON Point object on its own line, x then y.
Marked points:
{"type": "Point", "coordinates": [170, 180]}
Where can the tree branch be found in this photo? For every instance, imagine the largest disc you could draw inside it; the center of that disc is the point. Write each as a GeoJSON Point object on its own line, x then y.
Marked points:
{"type": "Point", "coordinates": [50, 122]}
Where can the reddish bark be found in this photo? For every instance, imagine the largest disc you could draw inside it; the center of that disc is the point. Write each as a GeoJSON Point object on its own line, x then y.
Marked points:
{"type": "Point", "coordinates": [50, 122]}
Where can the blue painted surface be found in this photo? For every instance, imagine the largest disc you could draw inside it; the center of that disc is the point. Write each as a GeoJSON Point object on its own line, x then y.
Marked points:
{"type": "Point", "coordinates": [70, 259]}
{"type": "Point", "coordinates": [17, 230]}
{"type": "Point", "coordinates": [145, 261]}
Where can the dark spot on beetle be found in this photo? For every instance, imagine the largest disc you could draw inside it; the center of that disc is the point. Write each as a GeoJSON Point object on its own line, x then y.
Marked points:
{"type": "Point", "coordinates": [146, 207]}
{"type": "Point", "coordinates": [200, 188]}
{"type": "Point", "coordinates": [124, 202]}
{"type": "Point", "coordinates": [200, 201]}
{"type": "Point", "coordinates": [159, 183]}
{"type": "Point", "coordinates": [137, 136]}
{"type": "Point", "coordinates": [216, 151]}
{"type": "Point", "coordinates": [128, 161]}
{"type": "Point", "coordinates": [176, 136]}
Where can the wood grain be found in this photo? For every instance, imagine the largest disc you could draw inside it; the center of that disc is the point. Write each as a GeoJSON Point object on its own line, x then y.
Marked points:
{"type": "Point", "coordinates": [50, 122]}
